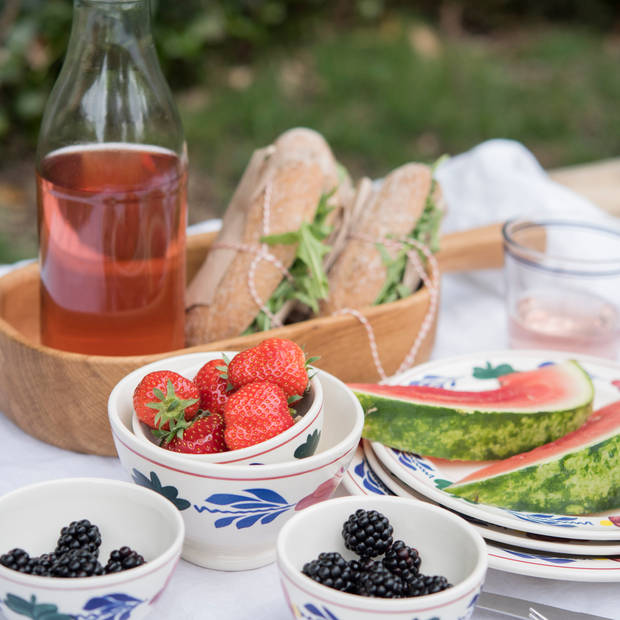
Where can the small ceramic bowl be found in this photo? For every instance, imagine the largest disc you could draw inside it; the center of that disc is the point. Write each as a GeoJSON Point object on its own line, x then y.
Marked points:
{"type": "Point", "coordinates": [31, 518]}
{"type": "Point", "coordinates": [447, 544]}
{"type": "Point", "coordinates": [298, 441]}
{"type": "Point", "coordinates": [233, 512]}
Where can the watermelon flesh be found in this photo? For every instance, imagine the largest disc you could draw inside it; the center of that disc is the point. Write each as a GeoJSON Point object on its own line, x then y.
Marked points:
{"type": "Point", "coordinates": [519, 390]}
{"type": "Point", "coordinates": [576, 474]}
{"type": "Point", "coordinates": [527, 410]}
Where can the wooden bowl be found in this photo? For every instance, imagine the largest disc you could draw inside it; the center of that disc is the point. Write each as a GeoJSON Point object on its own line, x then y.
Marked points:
{"type": "Point", "coordinates": [61, 397]}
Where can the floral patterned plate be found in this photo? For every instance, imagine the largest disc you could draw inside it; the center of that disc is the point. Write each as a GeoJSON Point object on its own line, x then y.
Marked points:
{"type": "Point", "coordinates": [361, 479]}
{"type": "Point", "coordinates": [479, 372]}
{"type": "Point", "coordinates": [503, 535]}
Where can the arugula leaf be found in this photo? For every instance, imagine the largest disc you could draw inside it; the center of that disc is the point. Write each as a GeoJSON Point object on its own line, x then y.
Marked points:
{"type": "Point", "coordinates": [309, 278]}
{"type": "Point", "coordinates": [426, 231]}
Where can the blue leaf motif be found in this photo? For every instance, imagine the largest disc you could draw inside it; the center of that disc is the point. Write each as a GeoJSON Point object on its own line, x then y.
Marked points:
{"type": "Point", "coordinates": [550, 519]}
{"type": "Point", "coordinates": [247, 521]}
{"type": "Point", "coordinates": [224, 522]}
{"type": "Point", "coordinates": [262, 505]}
{"type": "Point", "coordinates": [116, 606]}
{"type": "Point", "coordinates": [531, 556]}
{"type": "Point", "coordinates": [223, 499]}
{"type": "Point", "coordinates": [313, 610]}
{"type": "Point", "coordinates": [269, 518]}
{"type": "Point", "coordinates": [122, 597]}
{"type": "Point", "coordinates": [267, 495]}
{"type": "Point", "coordinates": [254, 506]}
{"type": "Point", "coordinates": [437, 381]}
{"type": "Point", "coordinates": [95, 603]}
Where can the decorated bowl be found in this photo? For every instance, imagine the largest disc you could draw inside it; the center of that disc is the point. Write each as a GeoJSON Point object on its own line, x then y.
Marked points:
{"type": "Point", "coordinates": [31, 519]}
{"type": "Point", "coordinates": [298, 441]}
{"type": "Point", "coordinates": [233, 512]}
{"type": "Point", "coordinates": [447, 545]}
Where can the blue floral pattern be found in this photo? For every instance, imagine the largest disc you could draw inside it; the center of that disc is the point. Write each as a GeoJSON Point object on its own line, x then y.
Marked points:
{"type": "Point", "coordinates": [532, 556]}
{"type": "Point", "coordinates": [117, 606]}
{"type": "Point", "coordinates": [312, 612]}
{"type": "Point", "coordinates": [369, 479]}
{"type": "Point", "coordinates": [547, 519]}
{"type": "Point", "coordinates": [110, 607]}
{"type": "Point", "coordinates": [420, 465]}
{"type": "Point", "coordinates": [437, 381]}
{"type": "Point", "coordinates": [257, 506]}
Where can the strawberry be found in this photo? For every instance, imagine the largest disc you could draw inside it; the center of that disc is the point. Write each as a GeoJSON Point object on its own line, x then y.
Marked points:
{"type": "Point", "coordinates": [163, 396]}
{"type": "Point", "coordinates": [202, 436]}
{"type": "Point", "coordinates": [276, 360]}
{"type": "Point", "coordinates": [212, 386]}
{"type": "Point", "coordinates": [254, 413]}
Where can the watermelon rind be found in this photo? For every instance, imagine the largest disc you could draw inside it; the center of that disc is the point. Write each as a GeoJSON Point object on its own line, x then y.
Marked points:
{"type": "Point", "coordinates": [470, 434]}
{"type": "Point", "coordinates": [581, 482]}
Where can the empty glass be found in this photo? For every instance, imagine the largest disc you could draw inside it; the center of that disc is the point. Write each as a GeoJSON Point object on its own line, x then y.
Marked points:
{"type": "Point", "coordinates": [563, 286]}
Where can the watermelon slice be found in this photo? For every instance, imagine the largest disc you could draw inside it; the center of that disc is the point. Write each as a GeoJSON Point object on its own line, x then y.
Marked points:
{"type": "Point", "coordinates": [529, 409]}
{"type": "Point", "coordinates": [576, 474]}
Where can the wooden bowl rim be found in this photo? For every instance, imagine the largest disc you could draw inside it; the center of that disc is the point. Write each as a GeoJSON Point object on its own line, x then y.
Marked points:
{"type": "Point", "coordinates": [421, 296]}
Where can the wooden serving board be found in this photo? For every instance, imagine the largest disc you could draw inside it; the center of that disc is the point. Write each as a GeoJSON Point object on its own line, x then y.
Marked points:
{"type": "Point", "coordinates": [61, 397]}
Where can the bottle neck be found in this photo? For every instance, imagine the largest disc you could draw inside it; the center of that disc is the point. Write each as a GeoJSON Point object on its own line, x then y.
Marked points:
{"type": "Point", "coordinates": [110, 25]}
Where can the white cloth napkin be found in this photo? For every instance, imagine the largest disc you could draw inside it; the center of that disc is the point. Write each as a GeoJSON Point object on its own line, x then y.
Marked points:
{"type": "Point", "coordinates": [492, 182]}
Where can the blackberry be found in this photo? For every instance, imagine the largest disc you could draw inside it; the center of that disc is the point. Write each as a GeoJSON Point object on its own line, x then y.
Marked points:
{"type": "Point", "coordinates": [44, 563]}
{"type": "Point", "coordinates": [377, 581]}
{"type": "Point", "coordinates": [360, 566]}
{"type": "Point", "coordinates": [400, 558]}
{"type": "Point", "coordinates": [76, 563]}
{"type": "Point", "coordinates": [427, 584]}
{"type": "Point", "coordinates": [331, 570]}
{"type": "Point", "coordinates": [123, 559]}
{"type": "Point", "coordinates": [18, 560]}
{"type": "Point", "coordinates": [367, 533]}
{"type": "Point", "coordinates": [79, 535]}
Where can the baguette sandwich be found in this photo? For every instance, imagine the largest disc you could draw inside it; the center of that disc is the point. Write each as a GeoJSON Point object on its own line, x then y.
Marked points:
{"type": "Point", "coordinates": [288, 198]}
{"type": "Point", "coordinates": [365, 270]}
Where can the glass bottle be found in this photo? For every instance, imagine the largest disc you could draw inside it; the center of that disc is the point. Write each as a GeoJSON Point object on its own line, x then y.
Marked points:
{"type": "Point", "coordinates": [111, 185]}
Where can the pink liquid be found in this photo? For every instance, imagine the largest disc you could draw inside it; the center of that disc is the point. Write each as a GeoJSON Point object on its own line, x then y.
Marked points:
{"type": "Point", "coordinates": [569, 322]}
{"type": "Point", "coordinates": [112, 250]}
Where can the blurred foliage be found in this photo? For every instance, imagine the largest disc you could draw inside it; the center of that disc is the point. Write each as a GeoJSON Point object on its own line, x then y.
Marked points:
{"type": "Point", "coordinates": [192, 33]}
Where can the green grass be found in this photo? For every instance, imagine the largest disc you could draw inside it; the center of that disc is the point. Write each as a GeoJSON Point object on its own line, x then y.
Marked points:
{"type": "Point", "coordinates": [380, 102]}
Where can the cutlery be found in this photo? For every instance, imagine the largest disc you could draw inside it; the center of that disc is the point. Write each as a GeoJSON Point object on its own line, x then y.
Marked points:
{"type": "Point", "coordinates": [522, 610]}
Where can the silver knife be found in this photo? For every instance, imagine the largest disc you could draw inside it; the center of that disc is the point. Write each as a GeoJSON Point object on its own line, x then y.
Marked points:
{"type": "Point", "coordinates": [518, 608]}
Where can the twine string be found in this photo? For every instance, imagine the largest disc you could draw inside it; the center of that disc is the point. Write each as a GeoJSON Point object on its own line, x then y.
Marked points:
{"type": "Point", "coordinates": [431, 281]}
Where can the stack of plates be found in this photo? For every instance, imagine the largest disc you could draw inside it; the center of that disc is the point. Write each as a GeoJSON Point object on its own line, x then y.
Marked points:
{"type": "Point", "coordinates": [580, 548]}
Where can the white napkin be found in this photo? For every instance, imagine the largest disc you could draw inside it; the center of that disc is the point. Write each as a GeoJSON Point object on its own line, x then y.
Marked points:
{"type": "Point", "coordinates": [500, 179]}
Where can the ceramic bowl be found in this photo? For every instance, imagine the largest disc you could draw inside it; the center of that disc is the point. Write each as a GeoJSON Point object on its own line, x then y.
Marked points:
{"type": "Point", "coordinates": [31, 518]}
{"type": "Point", "coordinates": [447, 544]}
{"type": "Point", "coordinates": [298, 441]}
{"type": "Point", "coordinates": [234, 512]}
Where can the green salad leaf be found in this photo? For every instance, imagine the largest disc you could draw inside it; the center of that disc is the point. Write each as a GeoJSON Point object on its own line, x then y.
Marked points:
{"type": "Point", "coordinates": [309, 283]}
{"type": "Point", "coordinates": [426, 231]}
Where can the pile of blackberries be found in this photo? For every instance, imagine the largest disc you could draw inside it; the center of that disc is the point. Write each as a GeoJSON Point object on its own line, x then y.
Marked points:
{"type": "Point", "coordinates": [368, 533]}
{"type": "Point", "coordinates": [76, 555]}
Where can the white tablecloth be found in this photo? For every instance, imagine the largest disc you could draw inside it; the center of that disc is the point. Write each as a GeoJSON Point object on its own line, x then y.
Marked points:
{"type": "Point", "coordinates": [497, 180]}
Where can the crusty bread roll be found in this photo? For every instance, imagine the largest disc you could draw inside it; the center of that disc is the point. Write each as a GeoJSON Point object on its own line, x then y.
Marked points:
{"type": "Point", "coordinates": [358, 273]}
{"type": "Point", "coordinates": [299, 167]}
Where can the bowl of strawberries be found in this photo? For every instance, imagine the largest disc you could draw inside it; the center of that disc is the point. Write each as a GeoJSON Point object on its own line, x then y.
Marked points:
{"type": "Point", "coordinates": [234, 510]}
{"type": "Point", "coordinates": [261, 405]}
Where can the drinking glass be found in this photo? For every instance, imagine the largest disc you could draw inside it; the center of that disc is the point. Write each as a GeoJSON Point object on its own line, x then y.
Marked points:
{"type": "Point", "coordinates": [563, 285]}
